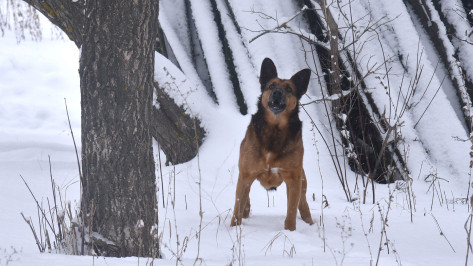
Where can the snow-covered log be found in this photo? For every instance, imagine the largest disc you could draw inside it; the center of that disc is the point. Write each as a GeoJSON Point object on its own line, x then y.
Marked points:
{"type": "Point", "coordinates": [365, 140]}
{"type": "Point", "coordinates": [439, 24]}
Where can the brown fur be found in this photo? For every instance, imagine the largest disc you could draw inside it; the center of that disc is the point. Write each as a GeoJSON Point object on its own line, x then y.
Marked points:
{"type": "Point", "coordinates": [272, 149]}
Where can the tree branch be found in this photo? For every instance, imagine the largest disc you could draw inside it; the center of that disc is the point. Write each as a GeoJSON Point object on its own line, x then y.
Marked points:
{"type": "Point", "coordinates": [69, 16]}
{"type": "Point", "coordinates": [176, 132]}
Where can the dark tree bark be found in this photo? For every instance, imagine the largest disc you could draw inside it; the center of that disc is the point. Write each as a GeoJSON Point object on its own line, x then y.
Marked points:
{"type": "Point", "coordinates": [69, 17]}
{"type": "Point", "coordinates": [118, 41]}
{"type": "Point", "coordinates": [116, 73]}
{"type": "Point", "coordinates": [178, 134]}
{"type": "Point", "coordinates": [467, 7]}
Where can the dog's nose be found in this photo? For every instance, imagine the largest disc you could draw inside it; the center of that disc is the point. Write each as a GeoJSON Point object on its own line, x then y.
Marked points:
{"type": "Point", "coordinates": [277, 92]}
{"type": "Point", "coordinates": [277, 101]}
{"type": "Point", "coordinates": [277, 96]}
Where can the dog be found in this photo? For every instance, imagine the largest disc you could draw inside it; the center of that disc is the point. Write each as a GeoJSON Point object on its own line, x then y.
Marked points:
{"type": "Point", "coordinates": [272, 149]}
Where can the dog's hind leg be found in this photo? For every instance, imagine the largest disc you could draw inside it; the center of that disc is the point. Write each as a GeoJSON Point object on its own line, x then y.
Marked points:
{"type": "Point", "coordinates": [303, 205]}
{"type": "Point", "coordinates": [242, 199]}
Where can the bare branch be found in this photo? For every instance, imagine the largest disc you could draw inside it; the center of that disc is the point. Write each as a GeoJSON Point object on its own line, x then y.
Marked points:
{"type": "Point", "coordinates": [286, 29]}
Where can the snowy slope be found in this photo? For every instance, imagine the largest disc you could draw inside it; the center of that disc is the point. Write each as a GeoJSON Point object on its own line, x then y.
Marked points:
{"type": "Point", "coordinates": [36, 77]}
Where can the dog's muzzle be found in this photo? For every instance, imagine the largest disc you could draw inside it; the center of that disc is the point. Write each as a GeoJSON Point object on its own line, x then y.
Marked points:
{"type": "Point", "coordinates": [277, 101]}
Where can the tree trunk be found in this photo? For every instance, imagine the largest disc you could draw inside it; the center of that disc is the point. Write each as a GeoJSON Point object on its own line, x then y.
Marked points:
{"type": "Point", "coordinates": [116, 72]}
{"type": "Point", "coordinates": [118, 120]}
{"type": "Point", "coordinates": [69, 17]}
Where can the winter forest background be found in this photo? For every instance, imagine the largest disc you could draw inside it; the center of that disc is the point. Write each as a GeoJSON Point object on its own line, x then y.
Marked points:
{"type": "Point", "coordinates": [387, 123]}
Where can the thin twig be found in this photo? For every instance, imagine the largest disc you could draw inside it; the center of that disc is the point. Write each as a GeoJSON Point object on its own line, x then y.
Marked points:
{"type": "Point", "coordinates": [38, 243]}
{"type": "Point", "coordinates": [53, 188]}
{"type": "Point", "coordinates": [161, 172]}
{"type": "Point", "coordinates": [37, 204]}
{"type": "Point", "coordinates": [441, 232]}
{"type": "Point", "coordinates": [347, 195]}
{"type": "Point", "coordinates": [384, 220]}
{"type": "Point", "coordinates": [431, 100]}
{"type": "Point", "coordinates": [84, 204]}
{"type": "Point", "coordinates": [73, 140]}
{"type": "Point", "coordinates": [282, 25]}
{"type": "Point", "coordinates": [201, 214]}
{"type": "Point", "coordinates": [468, 241]}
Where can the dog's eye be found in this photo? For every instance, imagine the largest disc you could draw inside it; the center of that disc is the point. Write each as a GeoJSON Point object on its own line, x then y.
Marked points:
{"type": "Point", "coordinates": [271, 87]}
{"type": "Point", "coordinates": [289, 89]}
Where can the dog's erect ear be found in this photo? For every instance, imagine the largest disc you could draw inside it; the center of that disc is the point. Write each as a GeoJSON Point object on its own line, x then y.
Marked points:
{"type": "Point", "coordinates": [301, 81]}
{"type": "Point", "coordinates": [268, 71]}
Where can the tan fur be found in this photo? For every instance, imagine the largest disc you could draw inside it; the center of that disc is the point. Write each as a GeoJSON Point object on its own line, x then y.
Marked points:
{"type": "Point", "coordinates": [281, 120]}
{"type": "Point", "coordinates": [273, 168]}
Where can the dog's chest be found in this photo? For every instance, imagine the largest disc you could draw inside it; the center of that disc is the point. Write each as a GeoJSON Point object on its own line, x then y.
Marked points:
{"type": "Point", "coordinates": [270, 177]}
{"type": "Point", "coordinates": [271, 166]}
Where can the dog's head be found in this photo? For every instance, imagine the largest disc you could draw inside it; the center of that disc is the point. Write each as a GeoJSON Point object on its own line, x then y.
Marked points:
{"type": "Point", "coordinates": [281, 96]}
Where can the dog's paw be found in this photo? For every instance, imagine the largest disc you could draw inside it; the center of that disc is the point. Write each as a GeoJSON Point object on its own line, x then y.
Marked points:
{"type": "Point", "coordinates": [235, 221]}
{"type": "Point", "coordinates": [291, 226]}
{"type": "Point", "coordinates": [246, 213]}
{"type": "Point", "coordinates": [308, 220]}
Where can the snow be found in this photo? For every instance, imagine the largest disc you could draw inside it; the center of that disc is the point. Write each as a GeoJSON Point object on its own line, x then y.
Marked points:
{"type": "Point", "coordinates": [401, 37]}
{"type": "Point", "coordinates": [204, 21]}
{"type": "Point", "coordinates": [179, 49]}
{"type": "Point", "coordinates": [457, 17]}
{"type": "Point", "coordinates": [247, 72]}
{"type": "Point", "coordinates": [35, 77]}
{"type": "Point", "coordinates": [185, 91]}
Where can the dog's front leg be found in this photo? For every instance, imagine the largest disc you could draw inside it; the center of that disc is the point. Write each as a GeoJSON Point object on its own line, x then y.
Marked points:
{"type": "Point", "coordinates": [293, 187]}
{"type": "Point", "coordinates": [242, 199]}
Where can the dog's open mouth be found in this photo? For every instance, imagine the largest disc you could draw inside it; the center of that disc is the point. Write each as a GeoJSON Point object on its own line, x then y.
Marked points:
{"type": "Point", "coordinates": [277, 102]}
{"type": "Point", "coordinates": [276, 108]}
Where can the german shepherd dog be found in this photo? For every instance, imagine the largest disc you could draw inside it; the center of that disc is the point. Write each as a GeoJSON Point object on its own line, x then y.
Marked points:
{"type": "Point", "coordinates": [272, 149]}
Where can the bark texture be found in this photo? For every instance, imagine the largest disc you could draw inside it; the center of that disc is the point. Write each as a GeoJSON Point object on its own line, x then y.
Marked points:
{"type": "Point", "coordinates": [178, 134]}
{"type": "Point", "coordinates": [69, 17]}
{"type": "Point", "coordinates": [116, 72]}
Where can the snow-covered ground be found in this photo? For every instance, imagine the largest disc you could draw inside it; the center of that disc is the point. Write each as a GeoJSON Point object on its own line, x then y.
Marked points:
{"type": "Point", "coordinates": [36, 77]}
